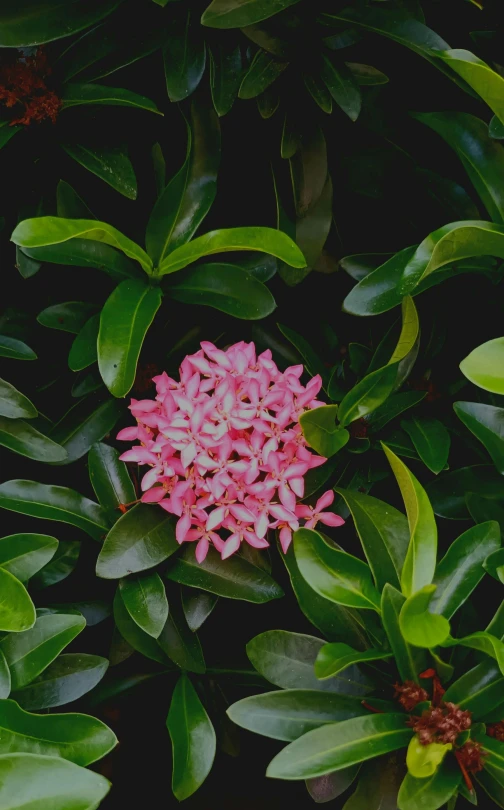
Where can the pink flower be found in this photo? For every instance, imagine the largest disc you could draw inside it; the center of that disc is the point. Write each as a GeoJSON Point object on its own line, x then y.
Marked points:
{"type": "Point", "coordinates": [224, 449]}
{"type": "Point", "coordinates": [314, 514]}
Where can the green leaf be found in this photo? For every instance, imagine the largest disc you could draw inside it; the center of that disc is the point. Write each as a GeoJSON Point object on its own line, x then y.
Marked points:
{"type": "Point", "coordinates": [14, 404]}
{"type": "Point", "coordinates": [496, 129]}
{"type": "Point", "coordinates": [383, 532]}
{"type": "Point", "coordinates": [67, 679]}
{"type": "Point", "coordinates": [240, 13]}
{"type": "Point", "coordinates": [28, 780]}
{"type": "Point", "coordinates": [197, 606]}
{"type": "Point", "coordinates": [225, 74]}
{"type": "Point", "coordinates": [69, 317]}
{"type": "Point", "coordinates": [225, 287]}
{"type": "Point", "coordinates": [335, 657]}
{"type": "Point", "coordinates": [26, 266]}
{"type": "Point", "coordinates": [366, 74]}
{"type": "Point", "coordinates": [432, 792]}
{"type": "Point", "coordinates": [265, 240]}
{"type": "Point", "coordinates": [75, 737]}
{"type": "Point", "coordinates": [26, 23]}
{"type": "Point", "coordinates": [319, 92]}
{"type": "Point", "coordinates": [492, 785]}
{"type": "Point", "coordinates": [334, 574]}
{"type": "Point", "coordinates": [109, 477]}
{"type": "Point", "coordinates": [234, 578]}
{"type": "Point", "coordinates": [410, 661]}
{"type": "Point", "coordinates": [392, 407]}
{"type": "Point", "coordinates": [263, 71]}
{"type": "Point", "coordinates": [134, 636]}
{"type": "Point", "coordinates": [290, 713]}
{"type": "Point", "coordinates": [61, 565]}
{"type": "Point", "coordinates": [420, 626]}
{"type": "Point", "coordinates": [30, 652]}
{"type": "Point", "coordinates": [313, 363]}
{"type": "Point", "coordinates": [54, 503]}
{"type": "Point", "coordinates": [378, 784]}
{"type": "Point", "coordinates": [85, 253]}
{"type": "Point", "coordinates": [83, 351]}
{"type": "Point", "coordinates": [430, 439]}
{"type": "Point", "coordinates": [124, 322]}
{"type": "Point", "coordinates": [41, 231]}
{"type": "Point", "coordinates": [25, 554]}
{"type": "Point", "coordinates": [186, 200]}
{"type": "Point", "coordinates": [420, 562]}
{"type": "Point", "coordinates": [462, 567]}
{"type": "Point", "coordinates": [321, 431]}
{"type": "Point", "coordinates": [22, 438]}
{"type": "Point", "coordinates": [339, 745]}
{"type": "Point", "coordinates": [5, 678]}
{"type": "Point", "coordinates": [145, 600]}
{"type": "Point", "coordinates": [69, 204]}
{"type": "Point", "coordinates": [6, 132]}
{"type": "Point", "coordinates": [483, 642]}
{"type": "Point", "coordinates": [287, 660]}
{"type": "Point", "coordinates": [342, 85]}
{"type": "Point", "coordinates": [75, 94]}
{"type": "Point", "coordinates": [334, 621]}
{"type": "Point", "coordinates": [17, 611]}
{"type": "Point", "coordinates": [184, 55]}
{"type": "Point", "coordinates": [483, 366]}
{"type": "Point", "coordinates": [83, 425]}
{"type": "Point", "coordinates": [15, 349]}
{"type": "Point", "coordinates": [193, 739]}
{"type": "Point", "coordinates": [478, 75]}
{"type": "Point", "coordinates": [486, 422]}
{"type": "Point", "coordinates": [449, 492]}
{"type": "Point", "coordinates": [178, 642]}
{"type": "Point", "coordinates": [109, 164]}
{"type": "Point", "coordinates": [481, 157]}
{"type": "Point", "coordinates": [479, 690]}
{"type": "Point", "coordinates": [142, 538]}
{"type": "Point", "coordinates": [494, 564]}
{"type": "Point", "coordinates": [424, 760]}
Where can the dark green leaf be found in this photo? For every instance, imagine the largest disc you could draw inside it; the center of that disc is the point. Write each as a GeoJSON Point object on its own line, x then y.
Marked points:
{"type": "Point", "coordinates": [184, 55]}
{"type": "Point", "coordinates": [124, 322]}
{"type": "Point", "coordinates": [22, 438]}
{"type": "Point", "coordinates": [14, 404]}
{"type": "Point", "coordinates": [6, 132]}
{"type": "Point", "coordinates": [321, 431]}
{"type": "Point", "coordinates": [178, 642]}
{"type": "Point", "coordinates": [366, 74]}
{"type": "Point", "coordinates": [83, 351]}
{"type": "Point", "coordinates": [479, 690]}
{"type": "Point", "coordinates": [109, 164]}
{"type": "Point", "coordinates": [75, 94]}
{"type": "Point", "coordinates": [430, 439]}
{"type": "Point", "coordinates": [85, 253]}
{"type": "Point", "coordinates": [432, 792]}
{"type": "Point", "coordinates": [319, 92]}
{"type": "Point", "coordinates": [486, 422]}
{"type": "Point", "coordinates": [313, 363]}
{"type": "Point", "coordinates": [193, 739]}
{"type": "Point", "coordinates": [135, 637]}
{"type": "Point", "coordinates": [69, 317]}
{"type": "Point", "coordinates": [328, 787]}
{"type": "Point", "coordinates": [25, 554]}
{"type": "Point", "coordinates": [145, 600]}
{"type": "Point", "coordinates": [392, 407]}
{"type": "Point", "coordinates": [61, 565]}
{"type": "Point", "coordinates": [83, 425]}
{"type": "Point", "coordinates": [69, 204]}
{"type": "Point", "coordinates": [448, 492]}
{"type": "Point", "coordinates": [496, 129]}
{"type": "Point", "coordinates": [336, 657]}
{"type": "Point", "coordinates": [261, 74]}
{"type": "Point", "coordinates": [109, 477]}
{"type": "Point", "coordinates": [141, 539]}
{"type": "Point", "coordinates": [342, 85]}
{"type": "Point", "coordinates": [494, 564]}
{"type": "Point", "coordinates": [240, 13]}
{"type": "Point", "coordinates": [26, 23]}
{"type": "Point", "coordinates": [197, 606]}
{"type": "Point", "coordinates": [15, 349]}
{"type": "Point", "coordinates": [378, 785]}
{"type": "Point", "coordinates": [410, 661]}
{"type": "Point", "coordinates": [225, 74]}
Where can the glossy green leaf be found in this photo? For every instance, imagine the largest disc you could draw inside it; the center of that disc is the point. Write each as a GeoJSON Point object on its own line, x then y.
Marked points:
{"type": "Point", "coordinates": [83, 425]}
{"type": "Point", "coordinates": [449, 492]}
{"type": "Point", "coordinates": [69, 317]}
{"type": "Point", "coordinates": [54, 503]}
{"type": "Point", "coordinates": [290, 713]}
{"type": "Point", "coordinates": [483, 366]}
{"type": "Point", "coordinates": [145, 600]}
{"type": "Point", "coordinates": [418, 624]}
{"type": "Point", "coordinates": [312, 362]}
{"type": "Point", "coordinates": [15, 349]}
{"type": "Point", "coordinates": [26, 23]}
{"type": "Point", "coordinates": [420, 562]}
{"type": "Point", "coordinates": [109, 477]}
{"type": "Point", "coordinates": [28, 780]}
{"type": "Point", "coordinates": [75, 737]}
{"type": "Point", "coordinates": [76, 94]}
{"type": "Point", "coordinates": [225, 74]}
{"type": "Point", "coordinates": [265, 240]}
{"type": "Point", "coordinates": [41, 231]}
{"type": "Point", "coordinates": [339, 745]}
{"type": "Point", "coordinates": [496, 129]}
{"type": "Point", "coordinates": [26, 265]}
{"type": "Point", "coordinates": [234, 578]}
{"type": "Point", "coordinates": [479, 690]}
{"type": "Point", "coordinates": [383, 532]}
{"type": "Point", "coordinates": [134, 635]}
{"type": "Point", "coordinates": [142, 538]}
{"type": "Point", "coordinates": [85, 253]}
{"type": "Point", "coordinates": [67, 679]}
{"type": "Point", "coordinates": [321, 431]}
{"type": "Point", "coordinates": [30, 653]}
{"type": "Point", "coordinates": [478, 75]}
{"type": "Point", "coordinates": [187, 198]}
{"type": "Point", "coordinates": [225, 287]}
{"type": "Point", "coordinates": [432, 792]}
{"type": "Point", "coordinates": [486, 422]}
{"type": "Point", "coordinates": [430, 439]}
{"type": "Point", "coordinates": [124, 322]}
{"type": "Point", "coordinates": [334, 574]}
{"type": "Point", "coordinates": [109, 164]}
{"type": "Point", "coordinates": [341, 83]}
{"type": "Point", "coordinates": [14, 404]}
{"type": "Point", "coordinates": [481, 157]}
{"type": "Point", "coordinates": [184, 55]}
{"type": "Point", "coordinates": [21, 437]}
{"type": "Point", "coordinates": [462, 567]}
{"type": "Point", "coordinates": [197, 606]}
{"type": "Point", "coordinates": [424, 760]}
{"type": "Point", "coordinates": [483, 642]}
{"type": "Point", "coordinates": [410, 661]}
{"type": "Point", "coordinates": [17, 611]}
{"type": "Point", "coordinates": [69, 204]}
{"type": "Point", "coordinates": [60, 566]}
{"type": "Point", "coordinates": [83, 351]}
{"type": "Point", "coordinates": [25, 554]}
{"type": "Point", "coordinates": [5, 678]}
{"type": "Point", "coordinates": [263, 71]}
{"type": "Point", "coordinates": [366, 74]}
{"type": "Point", "coordinates": [193, 739]}
{"type": "Point", "coordinates": [178, 642]}
{"type": "Point", "coordinates": [494, 564]}
{"type": "Point", "coordinates": [336, 657]}
{"type": "Point", "coordinates": [240, 13]}
{"type": "Point", "coordinates": [287, 660]}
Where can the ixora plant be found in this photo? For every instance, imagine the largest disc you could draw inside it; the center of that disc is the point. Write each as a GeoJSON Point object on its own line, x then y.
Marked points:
{"type": "Point", "coordinates": [405, 686]}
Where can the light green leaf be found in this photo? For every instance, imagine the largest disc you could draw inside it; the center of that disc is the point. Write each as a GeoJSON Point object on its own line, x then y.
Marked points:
{"type": "Point", "coordinates": [335, 657]}
{"type": "Point", "coordinates": [5, 678]}
{"type": "Point", "coordinates": [483, 642]}
{"type": "Point", "coordinates": [25, 554]}
{"type": "Point", "coordinates": [478, 75]}
{"type": "Point", "coordinates": [14, 404]}
{"type": "Point", "coordinates": [483, 366]}
{"type": "Point", "coordinates": [418, 624]}
{"type": "Point", "coordinates": [424, 760]}
{"type": "Point", "coordinates": [17, 611]}
{"type": "Point", "coordinates": [321, 431]}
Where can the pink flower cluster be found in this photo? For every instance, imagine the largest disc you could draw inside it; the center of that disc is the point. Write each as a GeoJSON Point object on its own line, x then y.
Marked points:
{"type": "Point", "coordinates": [226, 451]}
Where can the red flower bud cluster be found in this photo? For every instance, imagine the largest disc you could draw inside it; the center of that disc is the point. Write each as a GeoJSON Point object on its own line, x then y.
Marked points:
{"type": "Point", "coordinates": [409, 695]}
{"type": "Point", "coordinates": [23, 88]}
{"type": "Point", "coordinates": [496, 730]}
{"type": "Point", "coordinates": [441, 724]}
